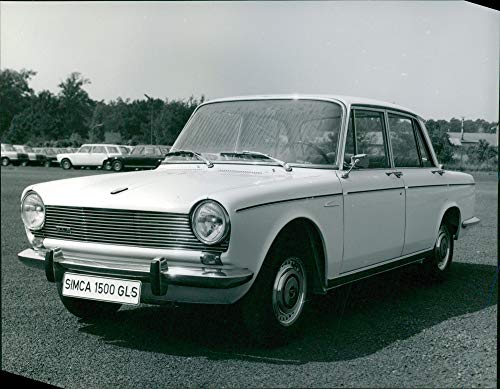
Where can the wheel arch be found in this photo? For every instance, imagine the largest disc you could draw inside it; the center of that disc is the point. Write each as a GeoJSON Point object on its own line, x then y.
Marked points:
{"type": "Point", "coordinates": [451, 215]}
{"type": "Point", "coordinates": [307, 230]}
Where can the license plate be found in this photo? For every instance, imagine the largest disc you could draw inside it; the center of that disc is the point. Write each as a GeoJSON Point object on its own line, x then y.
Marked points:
{"type": "Point", "coordinates": [111, 290]}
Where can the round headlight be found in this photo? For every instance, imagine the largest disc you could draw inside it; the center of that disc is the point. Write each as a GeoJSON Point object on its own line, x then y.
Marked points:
{"type": "Point", "coordinates": [33, 211]}
{"type": "Point", "coordinates": [210, 222]}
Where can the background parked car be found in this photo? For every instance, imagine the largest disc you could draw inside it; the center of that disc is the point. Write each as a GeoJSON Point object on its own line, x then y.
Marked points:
{"type": "Point", "coordinates": [141, 157]}
{"type": "Point", "coordinates": [11, 156]}
{"type": "Point", "coordinates": [34, 158]}
{"type": "Point", "coordinates": [51, 156]}
{"type": "Point", "coordinates": [91, 155]}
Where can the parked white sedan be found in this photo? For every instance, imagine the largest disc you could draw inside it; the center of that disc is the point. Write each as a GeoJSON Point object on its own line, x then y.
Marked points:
{"type": "Point", "coordinates": [90, 155]}
{"type": "Point", "coordinates": [263, 201]}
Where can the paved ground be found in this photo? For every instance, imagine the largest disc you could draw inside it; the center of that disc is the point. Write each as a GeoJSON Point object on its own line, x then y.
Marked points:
{"type": "Point", "coordinates": [391, 330]}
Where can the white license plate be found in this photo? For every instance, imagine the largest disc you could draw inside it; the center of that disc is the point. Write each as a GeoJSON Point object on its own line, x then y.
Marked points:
{"type": "Point", "coordinates": [111, 290]}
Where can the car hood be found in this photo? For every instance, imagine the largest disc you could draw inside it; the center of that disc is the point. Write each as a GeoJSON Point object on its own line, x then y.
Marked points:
{"type": "Point", "coordinates": [176, 188]}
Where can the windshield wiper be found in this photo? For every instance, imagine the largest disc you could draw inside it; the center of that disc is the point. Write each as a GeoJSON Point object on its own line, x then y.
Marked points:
{"type": "Point", "coordinates": [283, 164]}
{"type": "Point", "coordinates": [190, 154]}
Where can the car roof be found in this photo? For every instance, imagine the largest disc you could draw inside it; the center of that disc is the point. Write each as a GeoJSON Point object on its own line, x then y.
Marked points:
{"type": "Point", "coordinates": [346, 100]}
{"type": "Point", "coordinates": [98, 144]}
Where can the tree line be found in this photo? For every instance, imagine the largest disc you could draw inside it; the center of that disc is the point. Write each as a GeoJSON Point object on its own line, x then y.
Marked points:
{"type": "Point", "coordinates": [70, 117]}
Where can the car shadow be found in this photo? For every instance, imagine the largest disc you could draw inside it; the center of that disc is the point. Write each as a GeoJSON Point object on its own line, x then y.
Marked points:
{"type": "Point", "coordinates": [353, 321]}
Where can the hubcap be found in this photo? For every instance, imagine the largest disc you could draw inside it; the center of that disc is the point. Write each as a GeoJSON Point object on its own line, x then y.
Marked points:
{"type": "Point", "coordinates": [289, 291]}
{"type": "Point", "coordinates": [443, 249]}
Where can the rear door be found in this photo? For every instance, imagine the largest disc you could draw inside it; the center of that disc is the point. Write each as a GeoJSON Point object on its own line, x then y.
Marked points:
{"type": "Point", "coordinates": [425, 184]}
{"type": "Point", "coordinates": [374, 201]}
{"type": "Point", "coordinates": [97, 155]}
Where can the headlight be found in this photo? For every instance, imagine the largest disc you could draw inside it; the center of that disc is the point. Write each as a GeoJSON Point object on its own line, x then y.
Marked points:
{"type": "Point", "coordinates": [210, 222]}
{"type": "Point", "coordinates": [33, 211]}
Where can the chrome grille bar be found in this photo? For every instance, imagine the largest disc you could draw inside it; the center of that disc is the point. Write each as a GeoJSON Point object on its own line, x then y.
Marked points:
{"type": "Point", "coordinates": [123, 227]}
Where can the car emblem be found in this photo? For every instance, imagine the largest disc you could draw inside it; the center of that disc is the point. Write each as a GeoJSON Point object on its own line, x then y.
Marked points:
{"type": "Point", "coordinates": [119, 190]}
{"type": "Point", "coordinates": [66, 230]}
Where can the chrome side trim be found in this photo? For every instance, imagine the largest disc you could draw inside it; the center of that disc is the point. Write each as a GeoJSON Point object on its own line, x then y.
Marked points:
{"type": "Point", "coordinates": [470, 222]}
{"type": "Point", "coordinates": [202, 277]}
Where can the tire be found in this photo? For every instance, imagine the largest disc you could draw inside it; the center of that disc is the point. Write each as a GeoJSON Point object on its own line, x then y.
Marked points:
{"type": "Point", "coordinates": [273, 309]}
{"type": "Point", "coordinates": [5, 161]}
{"type": "Point", "coordinates": [117, 166]}
{"type": "Point", "coordinates": [437, 266]}
{"type": "Point", "coordinates": [88, 309]}
{"type": "Point", "coordinates": [24, 163]}
{"type": "Point", "coordinates": [46, 164]}
{"type": "Point", "coordinates": [107, 165]}
{"type": "Point", "coordinates": [66, 164]}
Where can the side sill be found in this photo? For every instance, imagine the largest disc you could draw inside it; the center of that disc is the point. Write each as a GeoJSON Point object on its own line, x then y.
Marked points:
{"type": "Point", "coordinates": [339, 281]}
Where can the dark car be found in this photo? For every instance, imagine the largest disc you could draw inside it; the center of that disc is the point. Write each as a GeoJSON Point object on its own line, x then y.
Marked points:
{"type": "Point", "coordinates": [50, 156]}
{"type": "Point", "coordinates": [141, 157]}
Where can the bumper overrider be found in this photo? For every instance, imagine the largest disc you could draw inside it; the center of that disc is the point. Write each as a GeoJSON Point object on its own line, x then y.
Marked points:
{"type": "Point", "coordinates": [158, 273]}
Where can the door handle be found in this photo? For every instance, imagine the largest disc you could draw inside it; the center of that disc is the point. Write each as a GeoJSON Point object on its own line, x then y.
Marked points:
{"type": "Point", "coordinates": [439, 171]}
{"type": "Point", "coordinates": [397, 174]}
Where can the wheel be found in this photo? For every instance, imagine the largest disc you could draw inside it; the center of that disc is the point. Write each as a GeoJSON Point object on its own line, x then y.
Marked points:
{"type": "Point", "coordinates": [5, 161]}
{"type": "Point", "coordinates": [272, 311]}
{"type": "Point", "coordinates": [46, 164]}
{"type": "Point", "coordinates": [66, 164]}
{"type": "Point", "coordinates": [107, 165]}
{"type": "Point", "coordinates": [87, 309]}
{"type": "Point", "coordinates": [437, 266]}
{"type": "Point", "coordinates": [117, 166]}
{"type": "Point", "coordinates": [24, 163]}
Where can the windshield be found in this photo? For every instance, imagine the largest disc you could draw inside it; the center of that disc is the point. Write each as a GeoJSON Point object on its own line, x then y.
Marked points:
{"type": "Point", "coordinates": [8, 148]}
{"type": "Point", "coordinates": [293, 131]}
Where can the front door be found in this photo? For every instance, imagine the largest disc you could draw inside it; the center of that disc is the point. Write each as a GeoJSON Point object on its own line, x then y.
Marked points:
{"type": "Point", "coordinates": [374, 198]}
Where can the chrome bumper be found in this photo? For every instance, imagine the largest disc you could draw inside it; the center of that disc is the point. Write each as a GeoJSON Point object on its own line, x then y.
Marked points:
{"type": "Point", "coordinates": [159, 272]}
{"type": "Point", "coordinates": [470, 222]}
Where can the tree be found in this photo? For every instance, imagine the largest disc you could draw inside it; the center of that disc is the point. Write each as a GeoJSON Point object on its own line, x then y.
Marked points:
{"type": "Point", "coordinates": [482, 152]}
{"type": "Point", "coordinates": [15, 95]}
{"type": "Point", "coordinates": [440, 139]}
{"type": "Point", "coordinates": [75, 105]}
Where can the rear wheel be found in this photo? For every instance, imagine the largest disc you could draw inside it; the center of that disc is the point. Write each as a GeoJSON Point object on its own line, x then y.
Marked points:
{"type": "Point", "coordinates": [437, 266]}
{"type": "Point", "coordinates": [46, 164]}
{"type": "Point", "coordinates": [66, 164]}
{"type": "Point", "coordinates": [117, 166]}
{"type": "Point", "coordinates": [107, 165]}
{"type": "Point", "coordinates": [272, 310]}
{"type": "Point", "coordinates": [5, 161]}
{"type": "Point", "coordinates": [24, 163]}
{"type": "Point", "coordinates": [87, 309]}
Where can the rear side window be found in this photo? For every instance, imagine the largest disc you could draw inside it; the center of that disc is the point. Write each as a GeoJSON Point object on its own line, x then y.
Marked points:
{"type": "Point", "coordinates": [112, 149]}
{"type": "Point", "coordinates": [366, 135]}
{"type": "Point", "coordinates": [98, 149]}
{"type": "Point", "coordinates": [403, 141]}
{"type": "Point", "coordinates": [425, 155]}
{"type": "Point", "coordinates": [124, 150]}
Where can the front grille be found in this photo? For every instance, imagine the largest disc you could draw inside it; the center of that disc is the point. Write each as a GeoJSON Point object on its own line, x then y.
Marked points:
{"type": "Point", "coordinates": [123, 227]}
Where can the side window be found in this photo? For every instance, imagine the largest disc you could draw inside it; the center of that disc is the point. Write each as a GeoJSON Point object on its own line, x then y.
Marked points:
{"type": "Point", "coordinates": [84, 149]}
{"type": "Point", "coordinates": [403, 141]}
{"type": "Point", "coordinates": [112, 149]}
{"type": "Point", "coordinates": [123, 150]}
{"type": "Point", "coordinates": [425, 155]}
{"type": "Point", "coordinates": [98, 149]}
{"type": "Point", "coordinates": [365, 135]}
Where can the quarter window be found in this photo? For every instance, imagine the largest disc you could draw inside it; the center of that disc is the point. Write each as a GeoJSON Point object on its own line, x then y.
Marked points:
{"type": "Point", "coordinates": [425, 156]}
{"type": "Point", "coordinates": [403, 142]}
{"type": "Point", "coordinates": [365, 135]}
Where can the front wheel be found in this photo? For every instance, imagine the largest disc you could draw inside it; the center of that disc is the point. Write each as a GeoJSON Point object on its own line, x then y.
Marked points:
{"type": "Point", "coordinates": [87, 309]}
{"type": "Point", "coordinates": [5, 161]}
{"type": "Point", "coordinates": [24, 163]}
{"type": "Point", "coordinates": [117, 166]}
{"type": "Point", "coordinates": [107, 165]}
{"type": "Point", "coordinates": [272, 310]}
{"type": "Point", "coordinates": [437, 266]}
{"type": "Point", "coordinates": [46, 164]}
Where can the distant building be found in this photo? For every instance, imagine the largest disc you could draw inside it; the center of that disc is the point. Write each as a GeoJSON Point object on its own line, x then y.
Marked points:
{"type": "Point", "coordinates": [472, 138]}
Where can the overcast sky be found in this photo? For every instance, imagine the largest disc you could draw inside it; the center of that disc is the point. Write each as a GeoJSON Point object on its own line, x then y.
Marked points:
{"type": "Point", "coordinates": [438, 58]}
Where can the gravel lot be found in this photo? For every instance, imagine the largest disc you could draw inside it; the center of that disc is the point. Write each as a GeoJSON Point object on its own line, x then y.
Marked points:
{"type": "Point", "coordinates": [389, 331]}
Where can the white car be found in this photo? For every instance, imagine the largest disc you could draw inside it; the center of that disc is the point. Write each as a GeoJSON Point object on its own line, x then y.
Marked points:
{"type": "Point", "coordinates": [263, 202]}
{"type": "Point", "coordinates": [90, 155]}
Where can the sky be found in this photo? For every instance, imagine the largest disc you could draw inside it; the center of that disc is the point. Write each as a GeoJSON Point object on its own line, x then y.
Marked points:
{"type": "Point", "coordinates": [439, 58]}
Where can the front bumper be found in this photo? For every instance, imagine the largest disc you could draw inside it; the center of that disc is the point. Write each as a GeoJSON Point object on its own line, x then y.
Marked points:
{"type": "Point", "coordinates": [158, 272]}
